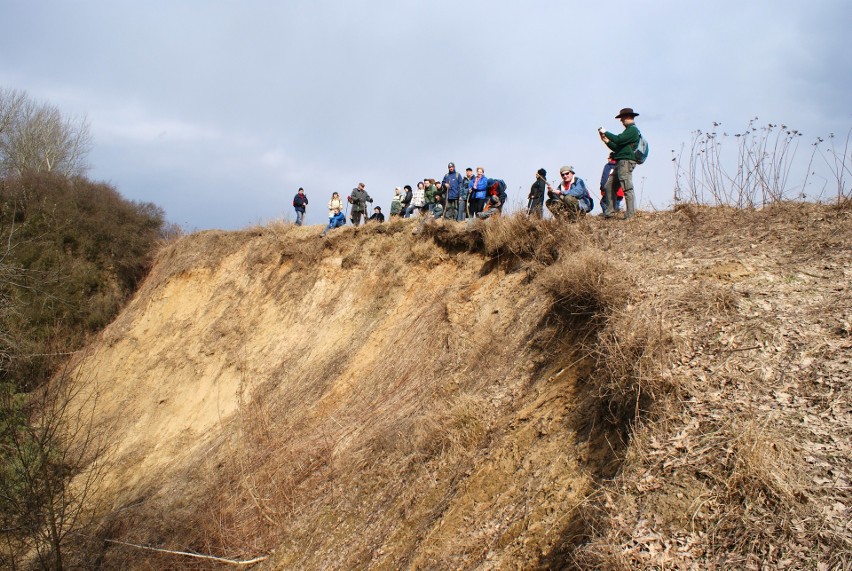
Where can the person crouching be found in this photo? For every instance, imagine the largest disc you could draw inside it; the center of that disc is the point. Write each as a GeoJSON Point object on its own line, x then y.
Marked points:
{"type": "Point", "coordinates": [571, 198]}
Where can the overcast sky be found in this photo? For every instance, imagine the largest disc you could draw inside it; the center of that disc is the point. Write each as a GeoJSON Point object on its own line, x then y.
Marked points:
{"type": "Point", "coordinates": [219, 110]}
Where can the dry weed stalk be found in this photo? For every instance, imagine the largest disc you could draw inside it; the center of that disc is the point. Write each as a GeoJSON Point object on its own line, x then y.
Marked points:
{"type": "Point", "coordinates": [758, 171]}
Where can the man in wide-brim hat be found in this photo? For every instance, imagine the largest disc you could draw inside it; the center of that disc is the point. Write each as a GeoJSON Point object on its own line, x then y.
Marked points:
{"type": "Point", "coordinates": [623, 147]}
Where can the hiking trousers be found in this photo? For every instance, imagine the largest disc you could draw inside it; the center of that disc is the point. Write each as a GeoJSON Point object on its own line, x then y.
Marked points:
{"type": "Point", "coordinates": [623, 177]}
{"type": "Point", "coordinates": [565, 206]}
{"type": "Point", "coordinates": [536, 207]}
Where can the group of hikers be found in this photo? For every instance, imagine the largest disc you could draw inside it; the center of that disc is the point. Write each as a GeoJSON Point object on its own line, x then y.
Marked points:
{"type": "Point", "coordinates": [470, 196]}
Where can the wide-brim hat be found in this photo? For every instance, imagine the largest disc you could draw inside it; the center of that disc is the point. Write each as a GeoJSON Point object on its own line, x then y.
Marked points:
{"type": "Point", "coordinates": [626, 112]}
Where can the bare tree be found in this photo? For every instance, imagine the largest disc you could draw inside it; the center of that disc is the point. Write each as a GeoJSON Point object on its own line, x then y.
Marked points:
{"type": "Point", "coordinates": [36, 137]}
{"type": "Point", "coordinates": [52, 460]}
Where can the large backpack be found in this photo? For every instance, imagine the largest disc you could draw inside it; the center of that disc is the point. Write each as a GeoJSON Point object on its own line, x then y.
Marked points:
{"type": "Point", "coordinates": [641, 151]}
{"type": "Point", "coordinates": [500, 186]}
{"type": "Point", "coordinates": [591, 200]}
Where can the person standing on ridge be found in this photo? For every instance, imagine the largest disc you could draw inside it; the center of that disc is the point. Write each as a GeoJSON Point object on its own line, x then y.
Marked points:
{"type": "Point", "coordinates": [452, 185]}
{"type": "Point", "coordinates": [359, 199]}
{"type": "Point", "coordinates": [465, 191]}
{"type": "Point", "coordinates": [300, 201]}
{"type": "Point", "coordinates": [406, 200]}
{"type": "Point", "coordinates": [477, 195]}
{"type": "Point", "coordinates": [623, 147]}
{"type": "Point", "coordinates": [535, 206]}
{"type": "Point", "coordinates": [334, 203]}
{"type": "Point", "coordinates": [431, 189]}
{"type": "Point", "coordinates": [396, 202]}
{"type": "Point", "coordinates": [608, 170]}
{"type": "Point", "coordinates": [418, 200]}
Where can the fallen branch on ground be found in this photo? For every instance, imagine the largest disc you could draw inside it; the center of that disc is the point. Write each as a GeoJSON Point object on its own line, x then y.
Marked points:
{"type": "Point", "coordinates": [196, 555]}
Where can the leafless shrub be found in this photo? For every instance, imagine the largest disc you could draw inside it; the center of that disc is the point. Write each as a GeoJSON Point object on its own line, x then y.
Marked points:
{"type": "Point", "coordinates": [761, 168]}
{"type": "Point", "coordinates": [52, 463]}
{"type": "Point", "coordinates": [839, 165]}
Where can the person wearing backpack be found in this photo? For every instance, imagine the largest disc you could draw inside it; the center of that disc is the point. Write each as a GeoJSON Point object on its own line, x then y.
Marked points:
{"type": "Point", "coordinates": [452, 186]}
{"type": "Point", "coordinates": [396, 203]}
{"type": "Point", "coordinates": [334, 204]}
{"type": "Point", "coordinates": [300, 201]}
{"type": "Point", "coordinates": [493, 205]}
{"type": "Point", "coordinates": [571, 197]}
{"type": "Point", "coordinates": [623, 147]}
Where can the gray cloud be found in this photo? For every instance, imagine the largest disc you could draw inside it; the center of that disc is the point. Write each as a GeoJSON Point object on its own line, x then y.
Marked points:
{"type": "Point", "coordinates": [220, 111]}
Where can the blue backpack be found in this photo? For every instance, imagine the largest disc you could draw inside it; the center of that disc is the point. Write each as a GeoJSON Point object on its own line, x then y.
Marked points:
{"type": "Point", "coordinates": [591, 201]}
{"type": "Point", "coordinates": [641, 151]}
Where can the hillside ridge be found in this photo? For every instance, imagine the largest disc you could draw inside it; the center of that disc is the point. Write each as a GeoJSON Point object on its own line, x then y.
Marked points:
{"type": "Point", "coordinates": [515, 394]}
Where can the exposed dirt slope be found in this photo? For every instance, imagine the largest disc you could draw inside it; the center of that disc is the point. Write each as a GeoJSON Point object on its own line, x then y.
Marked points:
{"type": "Point", "coordinates": [514, 395]}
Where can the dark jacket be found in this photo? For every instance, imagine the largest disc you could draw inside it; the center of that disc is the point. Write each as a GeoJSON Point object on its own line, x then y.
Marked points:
{"type": "Point", "coordinates": [537, 190]}
{"type": "Point", "coordinates": [299, 202]}
{"type": "Point", "coordinates": [465, 189]}
{"type": "Point", "coordinates": [359, 199]}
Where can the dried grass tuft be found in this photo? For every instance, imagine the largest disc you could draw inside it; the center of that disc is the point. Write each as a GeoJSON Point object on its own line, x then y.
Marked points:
{"type": "Point", "coordinates": [585, 284]}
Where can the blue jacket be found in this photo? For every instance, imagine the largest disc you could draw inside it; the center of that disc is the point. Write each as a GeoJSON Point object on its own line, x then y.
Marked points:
{"type": "Point", "coordinates": [579, 191]}
{"type": "Point", "coordinates": [607, 170]}
{"type": "Point", "coordinates": [454, 183]}
{"type": "Point", "coordinates": [478, 190]}
{"type": "Point", "coordinates": [337, 220]}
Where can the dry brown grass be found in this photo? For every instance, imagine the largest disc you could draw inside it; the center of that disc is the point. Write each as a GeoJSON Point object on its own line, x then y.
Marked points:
{"type": "Point", "coordinates": [715, 476]}
{"type": "Point", "coordinates": [537, 395]}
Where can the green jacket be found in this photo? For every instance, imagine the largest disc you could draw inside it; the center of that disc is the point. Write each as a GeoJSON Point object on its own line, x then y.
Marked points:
{"type": "Point", "coordinates": [624, 145]}
{"type": "Point", "coordinates": [433, 190]}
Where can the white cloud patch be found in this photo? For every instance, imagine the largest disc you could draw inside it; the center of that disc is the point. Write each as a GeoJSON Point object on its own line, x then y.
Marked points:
{"type": "Point", "coordinates": [135, 125]}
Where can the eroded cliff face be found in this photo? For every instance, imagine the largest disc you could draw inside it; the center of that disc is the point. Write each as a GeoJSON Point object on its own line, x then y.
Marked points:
{"type": "Point", "coordinates": [516, 394]}
{"type": "Point", "coordinates": [377, 397]}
